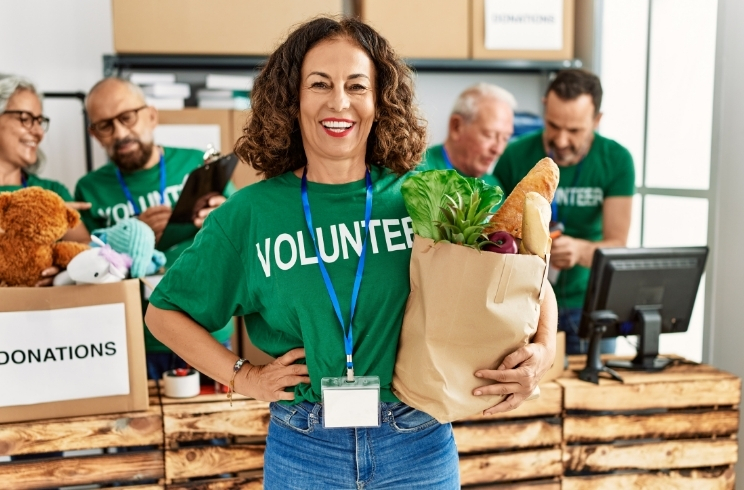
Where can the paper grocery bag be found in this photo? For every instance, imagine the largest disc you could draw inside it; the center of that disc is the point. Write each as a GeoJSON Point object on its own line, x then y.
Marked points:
{"type": "Point", "coordinates": [467, 311]}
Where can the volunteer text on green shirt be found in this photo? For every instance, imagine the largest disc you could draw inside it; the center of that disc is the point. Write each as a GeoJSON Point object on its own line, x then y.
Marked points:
{"type": "Point", "coordinates": [255, 258]}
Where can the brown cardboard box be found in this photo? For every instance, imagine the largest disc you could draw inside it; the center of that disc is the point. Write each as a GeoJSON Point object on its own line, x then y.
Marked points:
{"type": "Point", "coordinates": [231, 127]}
{"type": "Point", "coordinates": [479, 50]}
{"type": "Point", "coordinates": [244, 174]}
{"type": "Point", "coordinates": [192, 115]}
{"type": "Point", "coordinates": [57, 298]}
{"type": "Point", "coordinates": [422, 28]}
{"type": "Point", "coordinates": [249, 351]}
{"type": "Point", "coordinates": [230, 27]}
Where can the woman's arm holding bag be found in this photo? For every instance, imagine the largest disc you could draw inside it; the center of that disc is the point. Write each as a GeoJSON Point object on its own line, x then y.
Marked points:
{"type": "Point", "coordinates": [522, 370]}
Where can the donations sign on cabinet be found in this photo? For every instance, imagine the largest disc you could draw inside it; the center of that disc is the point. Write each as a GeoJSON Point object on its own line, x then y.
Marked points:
{"type": "Point", "coordinates": [524, 24]}
{"type": "Point", "coordinates": [63, 354]}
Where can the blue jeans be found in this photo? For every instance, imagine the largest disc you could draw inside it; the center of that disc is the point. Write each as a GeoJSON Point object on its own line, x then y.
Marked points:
{"type": "Point", "coordinates": [409, 450]}
{"type": "Point", "coordinates": [569, 320]}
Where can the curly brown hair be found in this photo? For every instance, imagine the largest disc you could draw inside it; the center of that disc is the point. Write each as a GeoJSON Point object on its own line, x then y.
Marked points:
{"type": "Point", "coordinates": [271, 140]}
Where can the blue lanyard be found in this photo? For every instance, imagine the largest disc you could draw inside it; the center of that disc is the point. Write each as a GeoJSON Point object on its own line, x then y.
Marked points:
{"type": "Point", "coordinates": [128, 194]}
{"type": "Point", "coordinates": [447, 160]}
{"type": "Point", "coordinates": [554, 204]}
{"type": "Point", "coordinates": [24, 180]}
{"type": "Point", "coordinates": [348, 337]}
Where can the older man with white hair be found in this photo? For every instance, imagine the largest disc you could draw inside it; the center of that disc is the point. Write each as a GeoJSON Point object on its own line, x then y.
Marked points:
{"type": "Point", "coordinates": [480, 125]}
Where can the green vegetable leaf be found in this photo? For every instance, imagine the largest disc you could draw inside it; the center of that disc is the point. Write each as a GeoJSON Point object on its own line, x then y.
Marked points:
{"type": "Point", "coordinates": [490, 195]}
{"type": "Point", "coordinates": [444, 205]}
{"type": "Point", "coordinates": [424, 193]}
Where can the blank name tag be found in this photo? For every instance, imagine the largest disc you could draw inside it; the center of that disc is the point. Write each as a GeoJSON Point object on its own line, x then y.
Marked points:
{"type": "Point", "coordinates": [355, 404]}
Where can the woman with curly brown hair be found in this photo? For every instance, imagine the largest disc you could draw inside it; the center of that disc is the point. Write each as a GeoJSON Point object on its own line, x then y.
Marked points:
{"type": "Point", "coordinates": [333, 129]}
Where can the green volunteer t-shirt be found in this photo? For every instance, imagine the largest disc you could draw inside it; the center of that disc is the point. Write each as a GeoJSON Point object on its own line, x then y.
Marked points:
{"type": "Point", "coordinates": [50, 185]}
{"type": "Point", "coordinates": [109, 205]}
{"type": "Point", "coordinates": [434, 159]}
{"type": "Point", "coordinates": [255, 258]}
{"type": "Point", "coordinates": [606, 171]}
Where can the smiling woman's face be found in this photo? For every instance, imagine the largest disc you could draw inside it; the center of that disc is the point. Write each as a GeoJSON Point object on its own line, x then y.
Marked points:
{"type": "Point", "coordinates": [337, 100]}
{"type": "Point", "coordinates": [18, 144]}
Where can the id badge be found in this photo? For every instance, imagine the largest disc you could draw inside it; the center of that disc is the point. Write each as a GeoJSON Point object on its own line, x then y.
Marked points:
{"type": "Point", "coordinates": [350, 403]}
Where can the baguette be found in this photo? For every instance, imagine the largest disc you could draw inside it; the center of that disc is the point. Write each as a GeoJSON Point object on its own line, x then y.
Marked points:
{"type": "Point", "coordinates": [543, 179]}
{"type": "Point", "coordinates": [535, 226]}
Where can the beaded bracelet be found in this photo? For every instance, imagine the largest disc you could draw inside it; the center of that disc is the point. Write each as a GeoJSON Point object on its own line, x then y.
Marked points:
{"type": "Point", "coordinates": [238, 364]}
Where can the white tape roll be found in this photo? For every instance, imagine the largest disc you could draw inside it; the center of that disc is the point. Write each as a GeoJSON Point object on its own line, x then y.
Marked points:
{"type": "Point", "coordinates": [175, 386]}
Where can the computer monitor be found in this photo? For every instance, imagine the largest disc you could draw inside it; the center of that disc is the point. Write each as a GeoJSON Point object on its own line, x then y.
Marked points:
{"type": "Point", "coordinates": [643, 292]}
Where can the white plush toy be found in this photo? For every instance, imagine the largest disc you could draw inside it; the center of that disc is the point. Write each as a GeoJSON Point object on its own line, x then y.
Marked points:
{"type": "Point", "coordinates": [98, 265]}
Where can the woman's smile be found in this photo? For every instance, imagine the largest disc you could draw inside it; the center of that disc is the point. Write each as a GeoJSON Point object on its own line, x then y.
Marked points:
{"type": "Point", "coordinates": [338, 128]}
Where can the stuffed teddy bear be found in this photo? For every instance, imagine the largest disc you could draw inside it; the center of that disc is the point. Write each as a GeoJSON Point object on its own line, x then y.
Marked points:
{"type": "Point", "coordinates": [32, 221]}
{"type": "Point", "coordinates": [134, 238]}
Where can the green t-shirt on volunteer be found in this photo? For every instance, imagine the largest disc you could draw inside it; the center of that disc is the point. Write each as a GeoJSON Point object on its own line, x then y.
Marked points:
{"type": "Point", "coordinates": [50, 185]}
{"type": "Point", "coordinates": [434, 159]}
{"type": "Point", "coordinates": [606, 171]}
{"type": "Point", "coordinates": [101, 188]}
{"type": "Point", "coordinates": [255, 258]}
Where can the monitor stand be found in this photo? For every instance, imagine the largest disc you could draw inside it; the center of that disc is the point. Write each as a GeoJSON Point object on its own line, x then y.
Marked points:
{"type": "Point", "coordinates": [649, 319]}
{"type": "Point", "coordinates": [594, 366]}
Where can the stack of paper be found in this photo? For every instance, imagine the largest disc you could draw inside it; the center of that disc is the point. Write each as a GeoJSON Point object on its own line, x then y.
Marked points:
{"type": "Point", "coordinates": [230, 82]}
{"type": "Point", "coordinates": [161, 90]}
{"type": "Point", "coordinates": [225, 92]}
{"type": "Point", "coordinates": [223, 99]}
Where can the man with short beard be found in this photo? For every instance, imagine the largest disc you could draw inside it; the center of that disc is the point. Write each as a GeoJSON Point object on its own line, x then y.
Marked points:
{"type": "Point", "coordinates": [594, 196]}
{"type": "Point", "coordinates": [140, 180]}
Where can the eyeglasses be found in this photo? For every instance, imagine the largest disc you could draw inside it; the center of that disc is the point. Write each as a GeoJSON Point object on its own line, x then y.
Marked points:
{"type": "Point", "coordinates": [126, 119]}
{"type": "Point", "coordinates": [27, 119]}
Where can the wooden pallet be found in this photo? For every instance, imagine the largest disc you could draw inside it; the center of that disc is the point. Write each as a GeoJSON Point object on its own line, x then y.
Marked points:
{"type": "Point", "coordinates": [191, 425]}
{"type": "Point", "coordinates": [83, 433]}
{"type": "Point", "coordinates": [673, 429]}
{"type": "Point", "coordinates": [524, 444]}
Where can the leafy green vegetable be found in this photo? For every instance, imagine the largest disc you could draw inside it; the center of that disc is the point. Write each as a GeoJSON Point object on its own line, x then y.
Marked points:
{"type": "Point", "coordinates": [447, 206]}
{"type": "Point", "coordinates": [424, 194]}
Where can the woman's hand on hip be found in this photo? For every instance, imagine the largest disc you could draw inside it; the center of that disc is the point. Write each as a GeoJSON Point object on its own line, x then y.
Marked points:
{"type": "Point", "coordinates": [267, 383]}
{"type": "Point", "coordinates": [516, 377]}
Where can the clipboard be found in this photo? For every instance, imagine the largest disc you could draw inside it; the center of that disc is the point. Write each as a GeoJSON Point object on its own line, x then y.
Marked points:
{"type": "Point", "coordinates": [202, 183]}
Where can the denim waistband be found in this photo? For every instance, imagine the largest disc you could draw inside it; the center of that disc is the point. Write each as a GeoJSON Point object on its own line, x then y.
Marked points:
{"type": "Point", "coordinates": [316, 409]}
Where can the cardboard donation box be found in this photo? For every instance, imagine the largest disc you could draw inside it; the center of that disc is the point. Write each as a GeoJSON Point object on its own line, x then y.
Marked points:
{"type": "Point", "coordinates": [422, 28]}
{"type": "Point", "coordinates": [523, 29]}
{"type": "Point", "coordinates": [70, 351]}
{"type": "Point", "coordinates": [230, 27]}
{"type": "Point", "coordinates": [467, 311]}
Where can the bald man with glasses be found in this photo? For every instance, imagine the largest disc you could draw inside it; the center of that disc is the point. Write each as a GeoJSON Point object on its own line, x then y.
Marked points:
{"type": "Point", "coordinates": [140, 180]}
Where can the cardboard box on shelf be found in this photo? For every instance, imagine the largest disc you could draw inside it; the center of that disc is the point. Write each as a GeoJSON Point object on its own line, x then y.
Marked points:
{"type": "Point", "coordinates": [230, 123]}
{"type": "Point", "coordinates": [512, 29]}
{"type": "Point", "coordinates": [255, 356]}
{"type": "Point", "coordinates": [244, 174]}
{"type": "Point", "coordinates": [71, 351]}
{"type": "Point", "coordinates": [205, 117]}
{"type": "Point", "coordinates": [229, 27]}
{"type": "Point", "coordinates": [421, 28]}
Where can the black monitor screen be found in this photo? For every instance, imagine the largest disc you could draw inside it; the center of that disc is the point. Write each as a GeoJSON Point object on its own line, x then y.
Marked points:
{"type": "Point", "coordinates": [624, 279]}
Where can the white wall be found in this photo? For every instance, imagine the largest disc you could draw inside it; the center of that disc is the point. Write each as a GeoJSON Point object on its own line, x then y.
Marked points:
{"type": "Point", "coordinates": [727, 260]}
{"type": "Point", "coordinates": [59, 45]}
